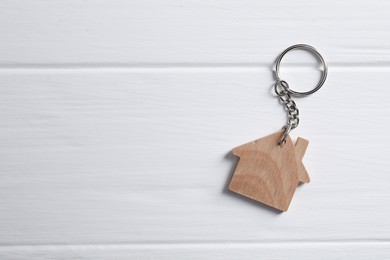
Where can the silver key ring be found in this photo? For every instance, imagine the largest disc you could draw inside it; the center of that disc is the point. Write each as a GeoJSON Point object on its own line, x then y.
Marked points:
{"type": "Point", "coordinates": [306, 48]}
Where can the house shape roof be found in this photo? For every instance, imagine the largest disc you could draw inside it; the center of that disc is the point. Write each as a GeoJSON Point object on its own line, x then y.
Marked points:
{"type": "Point", "coordinates": [270, 173]}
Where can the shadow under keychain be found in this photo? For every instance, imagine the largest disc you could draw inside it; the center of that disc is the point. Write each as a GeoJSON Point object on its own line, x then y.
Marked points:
{"type": "Point", "coordinates": [270, 168]}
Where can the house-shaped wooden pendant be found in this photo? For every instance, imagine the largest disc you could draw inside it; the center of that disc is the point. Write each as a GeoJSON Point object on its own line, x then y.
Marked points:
{"type": "Point", "coordinates": [268, 172]}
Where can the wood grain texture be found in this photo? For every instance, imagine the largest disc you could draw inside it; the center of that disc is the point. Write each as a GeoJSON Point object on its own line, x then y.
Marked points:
{"type": "Point", "coordinates": [179, 33]}
{"type": "Point", "coordinates": [268, 172]}
{"type": "Point", "coordinates": [218, 251]}
{"type": "Point", "coordinates": [300, 149]}
{"type": "Point", "coordinates": [117, 118]}
{"type": "Point", "coordinates": [79, 150]}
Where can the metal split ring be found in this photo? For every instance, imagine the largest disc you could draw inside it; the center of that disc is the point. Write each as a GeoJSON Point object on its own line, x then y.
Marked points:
{"type": "Point", "coordinates": [306, 48]}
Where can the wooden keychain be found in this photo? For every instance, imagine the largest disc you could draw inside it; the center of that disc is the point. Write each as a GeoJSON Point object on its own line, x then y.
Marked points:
{"type": "Point", "coordinates": [270, 168]}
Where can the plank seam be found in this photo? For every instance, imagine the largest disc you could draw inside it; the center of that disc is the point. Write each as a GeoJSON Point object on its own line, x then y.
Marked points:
{"type": "Point", "coordinates": [201, 244]}
{"type": "Point", "coordinates": [206, 65]}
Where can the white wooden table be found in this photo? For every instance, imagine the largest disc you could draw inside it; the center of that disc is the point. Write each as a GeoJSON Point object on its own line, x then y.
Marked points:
{"type": "Point", "coordinates": [117, 118]}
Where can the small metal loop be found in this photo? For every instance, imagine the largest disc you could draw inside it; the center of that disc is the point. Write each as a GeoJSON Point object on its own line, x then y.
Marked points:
{"type": "Point", "coordinates": [293, 115]}
{"type": "Point", "coordinates": [294, 122]}
{"type": "Point", "coordinates": [285, 98]}
{"type": "Point", "coordinates": [307, 48]}
{"type": "Point", "coordinates": [284, 84]}
{"type": "Point", "coordinates": [292, 110]}
{"type": "Point", "coordinates": [291, 105]}
{"type": "Point", "coordinates": [287, 129]}
{"type": "Point", "coordinates": [284, 88]}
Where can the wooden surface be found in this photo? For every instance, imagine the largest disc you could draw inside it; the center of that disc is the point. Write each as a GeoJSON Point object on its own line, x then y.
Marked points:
{"type": "Point", "coordinates": [117, 119]}
{"type": "Point", "coordinates": [268, 172]}
{"type": "Point", "coordinates": [300, 149]}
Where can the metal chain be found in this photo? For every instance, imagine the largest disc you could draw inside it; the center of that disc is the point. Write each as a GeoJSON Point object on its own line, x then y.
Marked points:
{"type": "Point", "coordinates": [281, 89]}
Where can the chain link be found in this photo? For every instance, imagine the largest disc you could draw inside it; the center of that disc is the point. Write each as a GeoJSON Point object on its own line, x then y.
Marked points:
{"type": "Point", "coordinates": [281, 89]}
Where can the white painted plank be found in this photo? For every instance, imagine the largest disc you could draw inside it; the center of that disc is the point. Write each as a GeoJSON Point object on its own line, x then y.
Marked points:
{"type": "Point", "coordinates": [195, 33]}
{"type": "Point", "coordinates": [225, 251]}
{"type": "Point", "coordinates": [101, 156]}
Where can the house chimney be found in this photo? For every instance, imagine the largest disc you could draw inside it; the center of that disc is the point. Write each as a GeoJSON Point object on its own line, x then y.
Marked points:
{"type": "Point", "coordinates": [300, 149]}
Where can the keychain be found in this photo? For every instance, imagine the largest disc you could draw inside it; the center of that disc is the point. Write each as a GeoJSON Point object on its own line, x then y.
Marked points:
{"type": "Point", "coordinates": [270, 168]}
